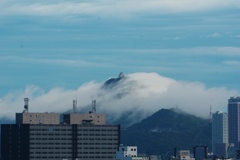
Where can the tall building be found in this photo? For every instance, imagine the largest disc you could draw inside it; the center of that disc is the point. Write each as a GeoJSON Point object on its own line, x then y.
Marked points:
{"type": "Point", "coordinates": [234, 120]}
{"type": "Point", "coordinates": [220, 133]}
{"type": "Point", "coordinates": [68, 142]}
{"type": "Point", "coordinates": [37, 136]}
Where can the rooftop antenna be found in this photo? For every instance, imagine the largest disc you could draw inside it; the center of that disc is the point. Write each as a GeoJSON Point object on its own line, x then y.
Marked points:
{"type": "Point", "coordinates": [121, 75]}
{"type": "Point", "coordinates": [26, 100]}
{"type": "Point", "coordinates": [210, 113]}
{"type": "Point", "coordinates": [74, 105]}
{"type": "Point", "coordinates": [94, 106]}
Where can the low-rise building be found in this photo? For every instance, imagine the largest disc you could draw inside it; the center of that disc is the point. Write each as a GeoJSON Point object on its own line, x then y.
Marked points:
{"type": "Point", "coordinates": [129, 153]}
{"type": "Point", "coordinates": [183, 155]}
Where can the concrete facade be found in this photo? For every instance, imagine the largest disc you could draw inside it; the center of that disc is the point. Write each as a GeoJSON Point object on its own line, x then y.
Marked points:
{"type": "Point", "coordinates": [64, 142]}
{"type": "Point", "coordinates": [89, 118]}
{"type": "Point", "coordinates": [128, 153]}
{"type": "Point", "coordinates": [37, 136]}
{"type": "Point", "coordinates": [37, 118]}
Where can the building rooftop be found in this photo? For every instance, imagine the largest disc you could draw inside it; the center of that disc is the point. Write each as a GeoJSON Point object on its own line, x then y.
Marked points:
{"type": "Point", "coordinates": [234, 99]}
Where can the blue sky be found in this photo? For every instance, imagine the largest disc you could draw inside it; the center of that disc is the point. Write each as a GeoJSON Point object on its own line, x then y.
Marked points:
{"type": "Point", "coordinates": [68, 43]}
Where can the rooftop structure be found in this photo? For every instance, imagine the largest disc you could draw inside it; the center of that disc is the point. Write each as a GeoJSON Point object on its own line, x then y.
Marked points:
{"type": "Point", "coordinates": [37, 118]}
{"type": "Point", "coordinates": [234, 99]}
{"type": "Point", "coordinates": [88, 118]}
{"type": "Point", "coordinates": [128, 153]}
{"type": "Point", "coordinates": [181, 155]}
{"type": "Point", "coordinates": [74, 106]}
{"type": "Point", "coordinates": [184, 155]}
{"type": "Point", "coordinates": [26, 100]}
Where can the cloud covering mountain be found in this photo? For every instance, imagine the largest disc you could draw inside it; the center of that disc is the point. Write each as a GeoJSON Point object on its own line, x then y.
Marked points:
{"type": "Point", "coordinates": [138, 93]}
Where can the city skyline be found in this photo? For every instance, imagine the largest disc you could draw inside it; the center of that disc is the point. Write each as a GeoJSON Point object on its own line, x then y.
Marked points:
{"type": "Point", "coordinates": [53, 51]}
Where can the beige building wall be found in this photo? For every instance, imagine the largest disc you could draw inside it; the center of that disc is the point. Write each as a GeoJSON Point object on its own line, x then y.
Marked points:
{"type": "Point", "coordinates": [37, 118]}
{"type": "Point", "coordinates": [91, 118]}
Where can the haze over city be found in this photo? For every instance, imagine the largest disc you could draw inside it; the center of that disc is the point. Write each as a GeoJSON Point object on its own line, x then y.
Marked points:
{"type": "Point", "coordinates": [183, 54]}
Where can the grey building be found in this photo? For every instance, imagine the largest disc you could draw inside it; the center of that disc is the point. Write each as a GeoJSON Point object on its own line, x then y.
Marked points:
{"type": "Point", "coordinates": [234, 120]}
{"type": "Point", "coordinates": [220, 133]}
{"type": "Point", "coordinates": [35, 138]}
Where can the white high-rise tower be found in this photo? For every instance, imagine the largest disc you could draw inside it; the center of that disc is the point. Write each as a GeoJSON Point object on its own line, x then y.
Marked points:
{"type": "Point", "coordinates": [220, 133]}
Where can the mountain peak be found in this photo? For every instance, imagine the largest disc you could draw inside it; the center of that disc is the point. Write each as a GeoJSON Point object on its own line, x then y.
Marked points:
{"type": "Point", "coordinates": [174, 120]}
{"type": "Point", "coordinates": [110, 83]}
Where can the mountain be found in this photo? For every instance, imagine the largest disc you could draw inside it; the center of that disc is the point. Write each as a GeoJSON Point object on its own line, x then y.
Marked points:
{"type": "Point", "coordinates": [6, 121]}
{"type": "Point", "coordinates": [124, 100]}
{"type": "Point", "coordinates": [166, 129]}
{"type": "Point", "coordinates": [116, 90]}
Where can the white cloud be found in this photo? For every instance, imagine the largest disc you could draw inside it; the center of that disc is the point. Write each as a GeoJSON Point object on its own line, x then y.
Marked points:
{"type": "Point", "coordinates": [143, 92]}
{"type": "Point", "coordinates": [115, 7]}
{"type": "Point", "coordinates": [62, 62]}
{"type": "Point", "coordinates": [214, 35]}
{"type": "Point", "coordinates": [203, 51]}
{"type": "Point", "coordinates": [232, 62]}
{"type": "Point", "coordinates": [237, 36]}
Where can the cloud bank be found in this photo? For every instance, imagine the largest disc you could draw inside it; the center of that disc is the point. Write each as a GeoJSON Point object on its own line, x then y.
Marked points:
{"type": "Point", "coordinates": [114, 7]}
{"type": "Point", "coordinates": [141, 92]}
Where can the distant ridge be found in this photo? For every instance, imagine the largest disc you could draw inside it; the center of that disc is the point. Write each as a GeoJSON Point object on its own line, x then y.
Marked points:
{"type": "Point", "coordinates": [171, 120]}
{"type": "Point", "coordinates": [166, 129]}
{"type": "Point", "coordinates": [6, 121]}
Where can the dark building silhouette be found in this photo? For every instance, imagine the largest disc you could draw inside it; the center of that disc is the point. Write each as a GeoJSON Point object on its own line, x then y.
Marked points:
{"type": "Point", "coordinates": [38, 136]}
{"type": "Point", "coordinates": [200, 152]}
{"type": "Point", "coordinates": [234, 121]}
